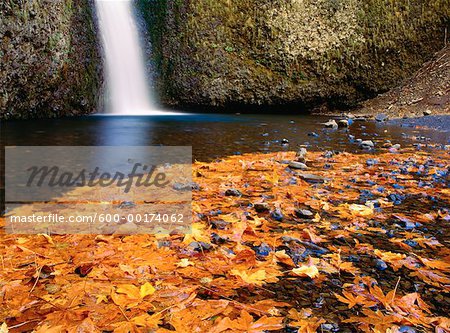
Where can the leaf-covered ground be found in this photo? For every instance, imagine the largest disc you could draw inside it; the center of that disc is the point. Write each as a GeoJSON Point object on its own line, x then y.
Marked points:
{"type": "Point", "coordinates": [361, 246]}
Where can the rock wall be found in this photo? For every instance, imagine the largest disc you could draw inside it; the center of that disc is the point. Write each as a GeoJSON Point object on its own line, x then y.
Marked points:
{"type": "Point", "coordinates": [50, 61]}
{"type": "Point", "coordinates": [289, 52]}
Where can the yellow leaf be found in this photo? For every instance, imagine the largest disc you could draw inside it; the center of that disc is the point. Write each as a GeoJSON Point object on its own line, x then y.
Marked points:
{"type": "Point", "coordinates": [257, 278]}
{"type": "Point", "coordinates": [146, 289]}
{"type": "Point", "coordinates": [48, 238]}
{"type": "Point", "coordinates": [22, 240]}
{"type": "Point", "coordinates": [102, 298]}
{"type": "Point", "coordinates": [4, 328]}
{"type": "Point", "coordinates": [146, 320]}
{"type": "Point", "coordinates": [310, 271]}
{"type": "Point", "coordinates": [130, 290]}
{"type": "Point", "coordinates": [197, 234]}
{"type": "Point", "coordinates": [360, 210]}
{"type": "Point", "coordinates": [185, 263]}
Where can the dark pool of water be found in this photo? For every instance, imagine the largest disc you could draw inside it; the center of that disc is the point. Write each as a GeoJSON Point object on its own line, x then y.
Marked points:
{"type": "Point", "coordinates": [211, 136]}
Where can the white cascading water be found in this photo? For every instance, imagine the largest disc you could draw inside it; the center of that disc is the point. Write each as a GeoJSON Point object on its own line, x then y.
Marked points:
{"type": "Point", "coordinates": [126, 73]}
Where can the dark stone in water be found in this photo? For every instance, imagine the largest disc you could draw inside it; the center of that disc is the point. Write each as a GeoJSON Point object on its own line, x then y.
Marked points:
{"type": "Point", "coordinates": [380, 265]}
{"type": "Point", "coordinates": [311, 178]}
{"type": "Point", "coordinates": [301, 155]}
{"type": "Point", "coordinates": [200, 246]}
{"type": "Point", "coordinates": [368, 144]}
{"type": "Point", "coordinates": [329, 328]}
{"type": "Point", "coordinates": [353, 258]}
{"type": "Point", "coordinates": [311, 246]}
{"type": "Point", "coordinates": [216, 239]}
{"type": "Point", "coordinates": [328, 154]}
{"type": "Point", "coordinates": [331, 124]}
{"type": "Point", "coordinates": [313, 134]}
{"type": "Point", "coordinates": [219, 224]}
{"type": "Point", "coordinates": [396, 198]}
{"type": "Point", "coordinates": [298, 165]}
{"type": "Point", "coordinates": [263, 250]}
{"type": "Point", "coordinates": [381, 117]}
{"type": "Point", "coordinates": [410, 242]}
{"type": "Point", "coordinates": [192, 186]}
{"type": "Point", "coordinates": [390, 233]}
{"type": "Point", "coordinates": [371, 162]}
{"type": "Point", "coordinates": [304, 213]}
{"type": "Point", "coordinates": [407, 329]}
{"type": "Point", "coordinates": [232, 192]}
{"type": "Point", "coordinates": [127, 204]}
{"type": "Point", "coordinates": [277, 215]}
{"type": "Point", "coordinates": [215, 212]}
{"type": "Point", "coordinates": [284, 141]}
{"type": "Point", "coordinates": [343, 123]}
{"type": "Point", "coordinates": [261, 207]}
{"type": "Point", "coordinates": [164, 243]}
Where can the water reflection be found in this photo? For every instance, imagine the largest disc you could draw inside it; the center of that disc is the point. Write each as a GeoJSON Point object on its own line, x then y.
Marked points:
{"type": "Point", "coordinates": [211, 136]}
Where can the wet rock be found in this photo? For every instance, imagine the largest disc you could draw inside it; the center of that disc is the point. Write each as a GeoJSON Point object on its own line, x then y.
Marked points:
{"type": "Point", "coordinates": [380, 265]}
{"type": "Point", "coordinates": [191, 186]}
{"type": "Point", "coordinates": [304, 214]}
{"type": "Point", "coordinates": [200, 246]}
{"type": "Point", "coordinates": [410, 242]}
{"type": "Point", "coordinates": [263, 250]}
{"type": "Point", "coordinates": [219, 224]}
{"type": "Point", "coordinates": [328, 154]}
{"type": "Point", "coordinates": [277, 215]}
{"type": "Point", "coordinates": [301, 155]}
{"type": "Point", "coordinates": [398, 186]}
{"type": "Point", "coordinates": [381, 117]}
{"type": "Point", "coordinates": [329, 327]}
{"type": "Point", "coordinates": [318, 250]}
{"type": "Point", "coordinates": [371, 162]}
{"type": "Point", "coordinates": [336, 282]}
{"type": "Point", "coordinates": [313, 134]}
{"type": "Point", "coordinates": [261, 207]}
{"type": "Point", "coordinates": [331, 124]}
{"type": "Point", "coordinates": [343, 123]}
{"type": "Point", "coordinates": [217, 239]}
{"type": "Point", "coordinates": [127, 204]}
{"type": "Point", "coordinates": [232, 192]}
{"type": "Point", "coordinates": [427, 112]}
{"type": "Point", "coordinates": [284, 141]}
{"type": "Point", "coordinates": [361, 118]}
{"type": "Point", "coordinates": [298, 165]}
{"type": "Point", "coordinates": [311, 178]}
{"type": "Point", "coordinates": [164, 243]}
{"type": "Point", "coordinates": [397, 199]}
{"type": "Point", "coordinates": [407, 225]}
{"type": "Point", "coordinates": [367, 144]}
{"type": "Point", "coordinates": [353, 258]}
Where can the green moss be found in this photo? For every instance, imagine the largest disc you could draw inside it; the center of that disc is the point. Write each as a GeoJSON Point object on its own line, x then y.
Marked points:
{"type": "Point", "coordinates": [207, 50]}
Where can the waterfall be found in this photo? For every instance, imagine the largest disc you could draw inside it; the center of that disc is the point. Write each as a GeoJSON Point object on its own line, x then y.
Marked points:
{"type": "Point", "coordinates": [127, 84]}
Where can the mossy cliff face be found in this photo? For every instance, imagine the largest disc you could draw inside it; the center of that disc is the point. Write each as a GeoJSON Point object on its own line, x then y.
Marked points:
{"type": "Point", "coordinates": [310, 52]}
{"type": "Point", "coordinates": [50, 63]}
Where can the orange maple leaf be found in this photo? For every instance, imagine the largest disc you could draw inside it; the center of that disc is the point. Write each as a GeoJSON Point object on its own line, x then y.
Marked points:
{"type": "Point", "coordinates": [349, 299]}
{"type": "Point", "coordinates": [246, 323]}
